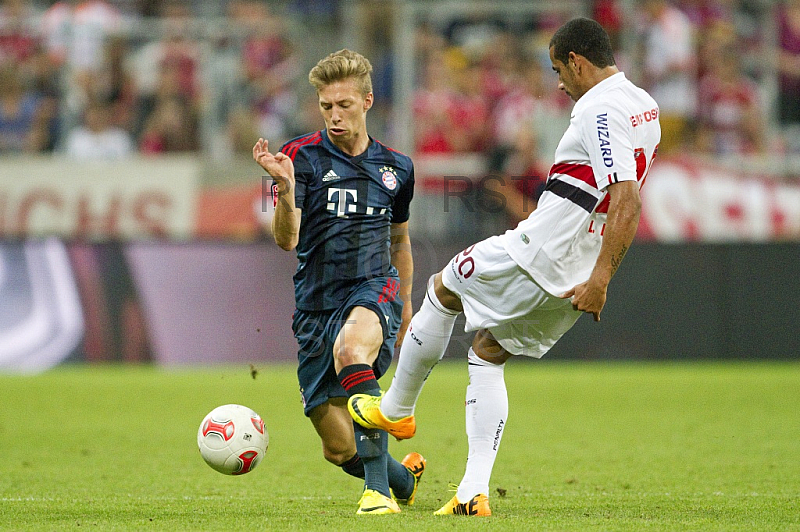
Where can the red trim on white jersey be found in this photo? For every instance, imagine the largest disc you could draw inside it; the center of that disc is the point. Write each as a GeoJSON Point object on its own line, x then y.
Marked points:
{"type": "Point", "coordinates": [582, 172]}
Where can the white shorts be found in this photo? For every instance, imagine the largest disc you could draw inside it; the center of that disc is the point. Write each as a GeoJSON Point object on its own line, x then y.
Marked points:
{"type": "Point", "coordinates": [500, 296]}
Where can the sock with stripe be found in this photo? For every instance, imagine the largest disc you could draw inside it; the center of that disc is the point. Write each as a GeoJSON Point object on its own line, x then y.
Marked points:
{"type": "Point", "coordinates": [354, 467]}
{"type": "Point", "coordinates": [372, 444]}
{"type": "Point", "coordinates": [486, 413]}
{"type": "Point", "coordinates": [359, 378]}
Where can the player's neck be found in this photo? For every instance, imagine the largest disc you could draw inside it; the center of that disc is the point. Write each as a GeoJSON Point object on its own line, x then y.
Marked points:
{"type": "Point", "coordinates": [602, 74]}
{"type": "Point", "coordinates": [595, 76]}
{"type": "Point", "coordinates": [354, 146]}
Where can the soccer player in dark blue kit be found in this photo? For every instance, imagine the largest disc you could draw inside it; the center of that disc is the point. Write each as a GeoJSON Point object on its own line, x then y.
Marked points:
{"type": "Point", "coordinates": [342, 201]}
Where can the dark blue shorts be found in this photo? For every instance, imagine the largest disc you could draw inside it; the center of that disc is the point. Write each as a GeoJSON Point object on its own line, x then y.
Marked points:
{"type": "Point", "coordinates": [317, 331]}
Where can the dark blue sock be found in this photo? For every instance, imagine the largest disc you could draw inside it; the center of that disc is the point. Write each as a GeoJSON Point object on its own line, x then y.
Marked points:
{"type": "Point", "coordinates": [373, 448]}
{"type": "Point", "coordinates": [400, 479]}
{"type": "Point", "coordinates": [354, 467]}
{"type": "Point", "coordinates": [372, 444]}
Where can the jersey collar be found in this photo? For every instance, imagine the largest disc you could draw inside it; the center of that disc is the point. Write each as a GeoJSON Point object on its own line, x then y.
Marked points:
{"type": "Point", "coordinates": [606, 84]}
{"type": "Point", "coordinates": [333, 147]}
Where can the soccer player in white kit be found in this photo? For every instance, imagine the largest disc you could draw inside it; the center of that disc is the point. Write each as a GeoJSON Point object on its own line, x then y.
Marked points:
{"type": "Point", "coordinates": [521, 291]}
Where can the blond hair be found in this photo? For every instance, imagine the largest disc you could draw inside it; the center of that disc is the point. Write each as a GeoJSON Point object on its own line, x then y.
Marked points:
{"type": "Point", "coordinates": [342, 65]}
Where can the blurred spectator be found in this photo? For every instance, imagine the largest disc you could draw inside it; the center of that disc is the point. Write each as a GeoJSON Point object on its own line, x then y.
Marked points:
{"type": "Point", "coordinates": [168, 80]}
{"type": "Point", "coordinates": [730, 120]}
{"type": "Point", "coordinates": [271, 70]}
{"type": "Point", "coordinates": [168, 68]}
{"type": "Point", "coordinates": [609, 14]}
{"type": "Point", "coordinates": [469, 113]}
{"type": "Point", "coordinates": [612, 16]}
{"type": "Point", "coordinates": [434, 101]}
{"type": "Point", "coordinates": [669, 69]}
{"type": "Point", "coordinates": [531, 108]}
{"type": "Point", "coordinates": [24, 116]}
{"type": "Point", "coordinates": [18, 36]}
{"type": "Point", "coordinates": [113, 84]}
{"type": "Point", "coordinates": [76, 31]}
{"type": "Point", "coordinates": [706, 13]}
{"type": "Point", "coordinates": [171, 123]}
{"type": "Point", "coordinates": [22, 48]}
{"type": "Point", "coordinates": [97, 139]}
{"type": "Point", "coordinates": [267, 50]}
{"type": "Point", "coordinates": [789, 65]}
{"type": "Point", "coordinates": [171, 127]}
{"type": "Point", "coordinates": [377, 18]}
{"type": "Point", "coordinates": [428, 45]}
{"type": "Point", "coordinates": [521, 119]}
{"type": "Point", "coordinates": [499, 63]}
{"type": "Point", "coordinates": [178, 52]}
{"type": "Point", "coordinates": [525, 176]}
{"type": "Point", "coordinates": [222, 74]}
{"type": "Point", "coordinates": [75, 35]}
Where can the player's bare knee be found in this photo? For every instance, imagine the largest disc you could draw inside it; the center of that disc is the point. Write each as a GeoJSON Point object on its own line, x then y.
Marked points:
{"type": "Point", "coordinates": [345, 355]}
{"type": "Point", "coordinates": [338, 454]}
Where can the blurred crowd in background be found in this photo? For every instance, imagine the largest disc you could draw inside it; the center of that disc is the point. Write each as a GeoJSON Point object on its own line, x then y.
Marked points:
{"type": "Point", "coordinates": [109, 78]}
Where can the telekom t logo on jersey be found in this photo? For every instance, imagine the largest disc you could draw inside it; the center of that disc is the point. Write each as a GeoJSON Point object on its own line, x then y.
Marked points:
{"type": "Point", "coordinates": [338, 201]}
{"type": "Point", "coordinates": [344, 202]}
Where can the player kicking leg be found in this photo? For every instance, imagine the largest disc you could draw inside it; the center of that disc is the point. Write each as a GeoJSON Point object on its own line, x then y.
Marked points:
{"type": "Point", "coordinates": [522, 319]}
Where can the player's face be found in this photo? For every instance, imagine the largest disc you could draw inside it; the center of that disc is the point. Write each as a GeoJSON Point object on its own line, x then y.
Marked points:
{"type": "Point", "coordinates": [344, 109]}
{"type": "Point", "coordinates": [568, 80]}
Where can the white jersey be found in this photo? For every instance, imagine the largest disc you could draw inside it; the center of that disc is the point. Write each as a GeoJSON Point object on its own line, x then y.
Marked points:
{"type": "Point", "coordinates": [612, 136]}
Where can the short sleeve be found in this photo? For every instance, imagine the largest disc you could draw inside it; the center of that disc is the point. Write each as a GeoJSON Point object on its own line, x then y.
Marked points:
{"type": "Point", "coordinates": [607, 136]}
{"type": "Point", "coordinates": [402, 201]}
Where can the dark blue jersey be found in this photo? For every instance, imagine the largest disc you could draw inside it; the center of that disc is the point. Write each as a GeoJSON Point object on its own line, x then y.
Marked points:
{"type": "Point", "coordinates": [348, 204]}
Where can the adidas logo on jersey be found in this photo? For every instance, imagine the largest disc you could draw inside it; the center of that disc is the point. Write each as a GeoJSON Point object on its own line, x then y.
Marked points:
{"type": "Point", "coordinates": [330, 176]}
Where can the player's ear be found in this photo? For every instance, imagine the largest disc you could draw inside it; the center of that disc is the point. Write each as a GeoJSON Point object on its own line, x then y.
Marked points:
{"type": "Point", "coordinates": [572, 60]}
{"type": "Point", "coordinates": [368, 100]}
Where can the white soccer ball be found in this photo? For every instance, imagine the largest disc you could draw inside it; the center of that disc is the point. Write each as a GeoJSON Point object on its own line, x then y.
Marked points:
{"type": "Point", "coordinates": [232, 439]}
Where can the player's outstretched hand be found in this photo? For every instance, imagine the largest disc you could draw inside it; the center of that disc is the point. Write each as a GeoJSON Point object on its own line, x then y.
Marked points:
{"type": "Point", "coordinates": [279, 166]}
{"type": "Point", "coordinates": [587, 297]}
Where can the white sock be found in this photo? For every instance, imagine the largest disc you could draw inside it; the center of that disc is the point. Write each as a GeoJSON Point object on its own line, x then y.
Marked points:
{"type": "Point", "coordinates": [424, 345]}
{"type": "Point", "coordinates": [487, 412]}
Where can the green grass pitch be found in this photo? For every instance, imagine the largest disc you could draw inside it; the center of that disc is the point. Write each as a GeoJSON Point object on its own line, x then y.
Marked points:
{"type": "Point", "coordinates": [588, 446]}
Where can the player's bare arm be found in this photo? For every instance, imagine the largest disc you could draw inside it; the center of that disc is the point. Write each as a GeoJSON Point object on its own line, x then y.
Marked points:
{"type": "Point", "coordinates": [286, 222]}
{"type": "Point", "coordinates": [623, 218]}
{"type": "Point", "coordinates": [403, 260]}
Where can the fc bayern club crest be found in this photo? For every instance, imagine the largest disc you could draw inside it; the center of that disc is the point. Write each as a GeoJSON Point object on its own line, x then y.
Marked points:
{"type": "Point", "coordinates": [389, 177]}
